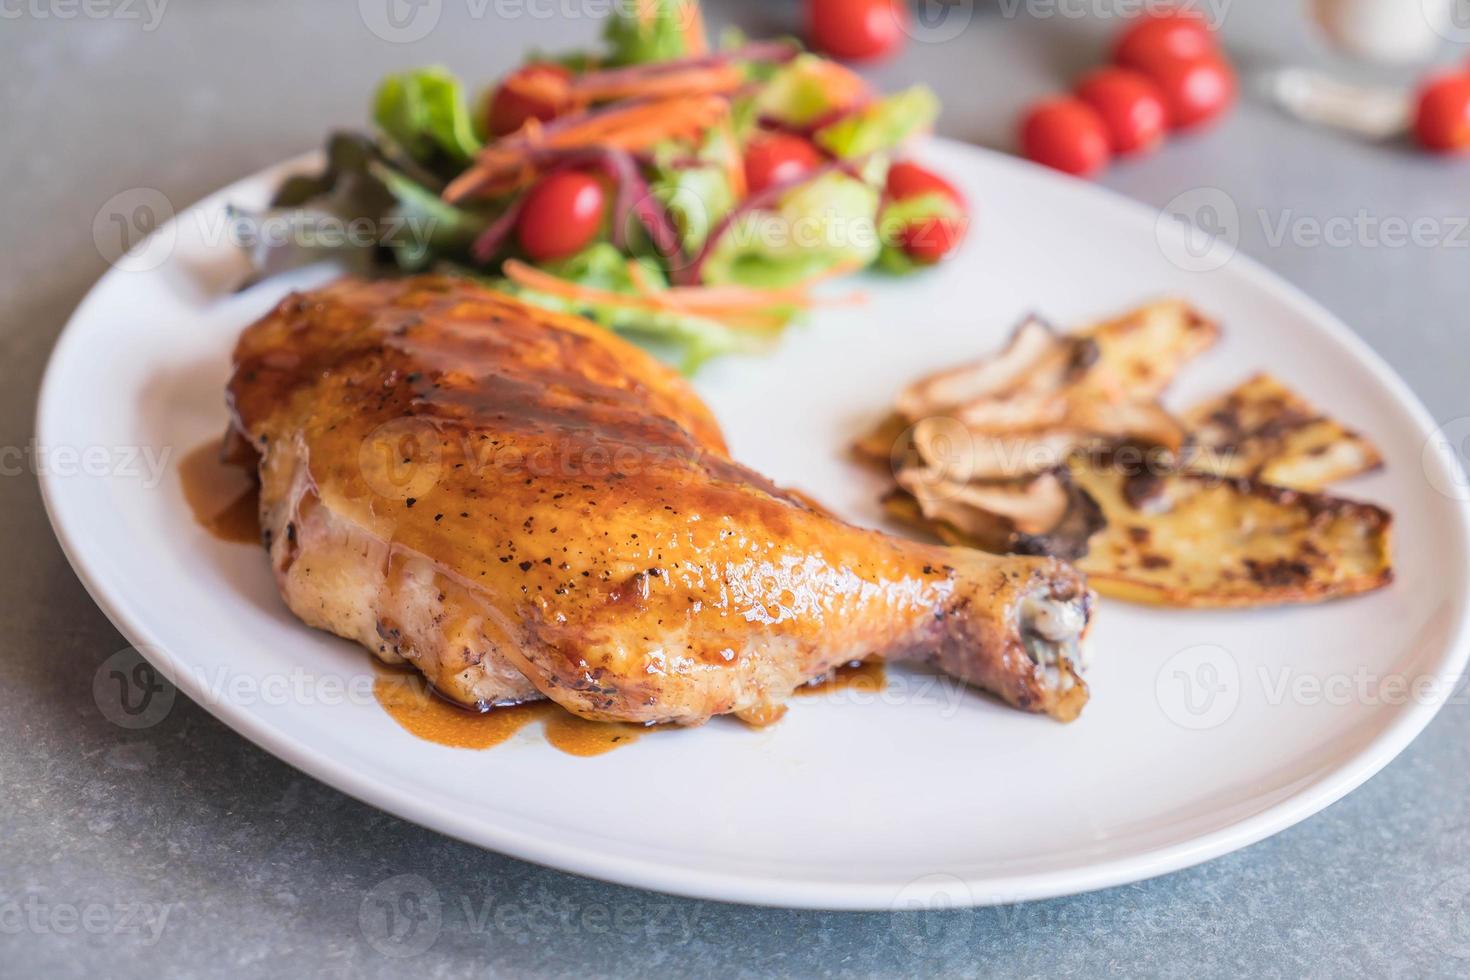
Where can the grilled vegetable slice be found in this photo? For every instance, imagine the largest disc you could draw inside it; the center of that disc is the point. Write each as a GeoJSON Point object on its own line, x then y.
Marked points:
{"type": "Point", "coordinates": [1022, 410]}
{"type": "Point", "coordinates": [1263, 430]}
{"type": "Point", "coordinates": [1072, 517]}
{"type": "Point", "coordinates": [1140, 352]}
{"type": "Point", "coordinates": [1200, 540]}
{"type": "Point", "coordinates": [889, 440]}
{"type": "Point", "coordinates": [1034, 358]}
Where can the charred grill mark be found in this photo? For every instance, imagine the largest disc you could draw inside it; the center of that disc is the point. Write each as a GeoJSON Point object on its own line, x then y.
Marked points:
{"type": "Point", "coordinates": [1142, 489]}
{"type": "Point", "coordinates": [1278, 573]}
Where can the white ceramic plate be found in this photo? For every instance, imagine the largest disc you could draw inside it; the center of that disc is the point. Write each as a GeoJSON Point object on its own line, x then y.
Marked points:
{"type": "Point", "coordinates": [1207, 731]}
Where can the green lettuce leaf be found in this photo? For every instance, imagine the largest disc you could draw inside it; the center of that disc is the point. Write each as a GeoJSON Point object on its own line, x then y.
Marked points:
{"type": "Point", "coordinates": [687, 340]}
{"type": "Point", "coordinates": [881, 125]}
{"type": "Point", "coordinates": [361, 208]}
{"type": "Point", "coordinates": [798, 92]}
{"type": "Point", "coordinates": [817, 226]}
{"type": "Point", "coordinates": [424, 112]}
{"type": "Point", "coordinates": [696, 196]}
{"type": "Point", "coordinates": [660, 37]}
{"type": "Point", "coordinates": [421, 227]}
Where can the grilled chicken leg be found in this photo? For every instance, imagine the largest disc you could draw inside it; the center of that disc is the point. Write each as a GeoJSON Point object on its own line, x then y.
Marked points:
{"type": "Point", "coordinates": [522, 505]}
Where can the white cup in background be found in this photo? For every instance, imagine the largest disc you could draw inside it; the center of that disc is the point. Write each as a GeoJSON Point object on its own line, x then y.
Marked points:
{"type": "Point", "coordinates": [1385, 30]}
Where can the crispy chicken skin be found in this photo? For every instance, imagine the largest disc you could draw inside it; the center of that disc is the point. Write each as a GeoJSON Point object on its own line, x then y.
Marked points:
{"type": "Point", "coordinates": [522, 505]}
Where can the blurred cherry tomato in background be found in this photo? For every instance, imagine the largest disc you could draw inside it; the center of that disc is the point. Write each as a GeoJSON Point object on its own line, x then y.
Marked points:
{"type": "Point", "coordinates": [930, 239]}
{"type": "Point", "coordinates": [777, 158]}
{"type": "Point", "coordinates": [1178, 35]}
{"type": "Point", "coordinates": [561, 215]}
{"type": "Point", "coordinates": [1442, 118]}
{"type": "Point", "coordinates": [533, 92]}
{"type": "Point", "coordinates": [1066, 134]}
{"type": "Point", "coordinates": [1195, 91]}
{"type": "Point", "coordinates": [856, 30]}
{"type": "Point", "coordinates": [1131, 107]}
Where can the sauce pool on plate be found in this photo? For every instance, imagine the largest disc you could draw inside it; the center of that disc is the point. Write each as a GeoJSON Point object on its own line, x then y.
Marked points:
{"type": "Point", "coordinates": [410, 700]}
{"type": "Point", "coordinates": [224, 497]}
{"type": "Point", "coordinates": [863, 676]}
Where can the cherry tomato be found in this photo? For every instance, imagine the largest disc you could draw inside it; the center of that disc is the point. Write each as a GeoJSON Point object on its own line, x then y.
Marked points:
{"type": "Point", "coordinates": [1442, 120]}
{"type": "Point", "coordinates": [777, 158]}
{"type": "Point", "coordinates": [930, 239]}
{"type": "Point", "coordinates": [856, 30]}
{"type": "Point", "coordinates": [910, 180]}
{"type": "Point", "coordinates": [1066, 134]}
{"type": "Point", "coordinates": [1195, 91]}
{"type": "Point", "coordinates": [533, 92]}
{"type": "Point", "coordinates": [1130, 105]}
{"type": "Point", "coordinates": [1179, 35]}
{"type": "Point", "coordinates": [561, 215]}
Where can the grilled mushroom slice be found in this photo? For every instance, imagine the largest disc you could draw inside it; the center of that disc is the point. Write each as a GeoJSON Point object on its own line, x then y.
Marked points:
{"type": "Point", "coordinates": [1028, 349]}
{"type": "Point", "coordinates": [948, 446]}
{"type": "Point", "coordinates": [1043, 515]}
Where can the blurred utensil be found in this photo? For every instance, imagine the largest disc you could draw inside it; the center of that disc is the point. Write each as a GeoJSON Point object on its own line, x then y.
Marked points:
{"type": "Point", "coordinates": [1373, 112]}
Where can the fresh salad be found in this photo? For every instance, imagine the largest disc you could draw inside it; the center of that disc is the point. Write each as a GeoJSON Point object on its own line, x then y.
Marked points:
{"type": "Point", "coordinates": [687, 196]}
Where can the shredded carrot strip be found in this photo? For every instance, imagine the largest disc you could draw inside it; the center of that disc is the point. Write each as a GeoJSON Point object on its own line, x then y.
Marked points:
{"type": "Point", "coordinates": [734, 305]}
{"type": "Point", "coordinates": [734, 162]}
{"type": "Point", "coordinates": [696, 40]}
{"type": "Point", "coordinates": [730, 297]}
{"type": "Point", "coordinates": [715, 80]}
{"type": "Point", "coordinates": [503, 166]}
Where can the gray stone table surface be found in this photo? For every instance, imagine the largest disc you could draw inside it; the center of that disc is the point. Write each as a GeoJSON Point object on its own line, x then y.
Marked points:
{"type": "Point", "coordinates": [263, 871]}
